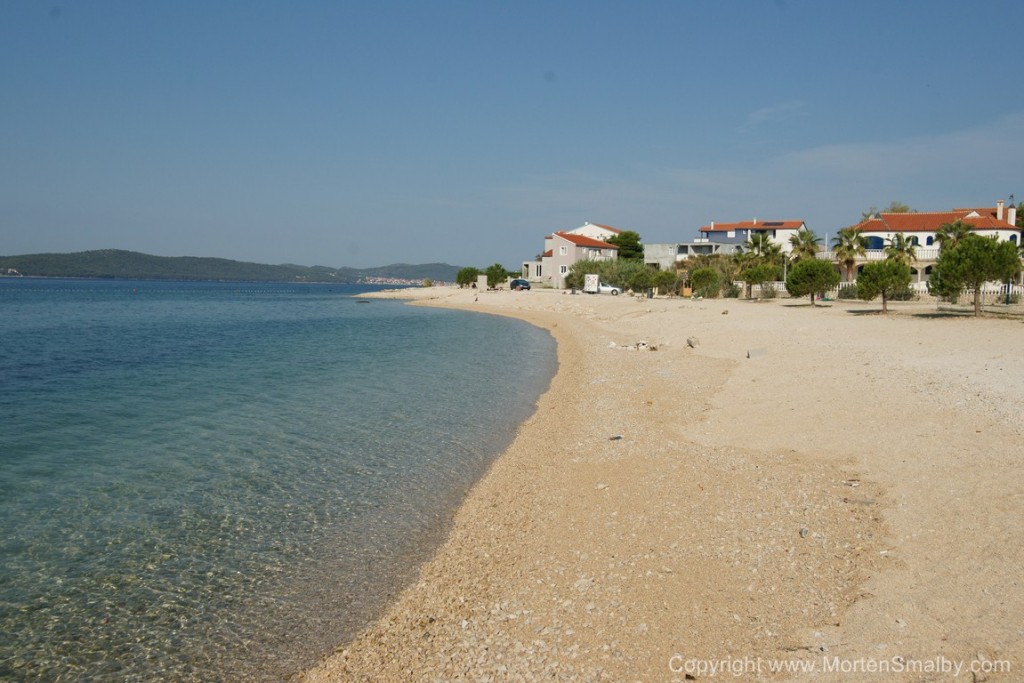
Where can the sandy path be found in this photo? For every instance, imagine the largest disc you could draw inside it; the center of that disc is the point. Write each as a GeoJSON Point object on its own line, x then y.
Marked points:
{"type": "Point", "coordinates": [848, 497]}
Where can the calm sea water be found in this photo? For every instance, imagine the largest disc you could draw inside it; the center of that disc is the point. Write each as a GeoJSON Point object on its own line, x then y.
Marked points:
{"type": "Point", "coordinates": [214, 481]}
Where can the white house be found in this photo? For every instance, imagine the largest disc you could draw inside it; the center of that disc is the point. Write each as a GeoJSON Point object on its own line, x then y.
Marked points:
{"type": "Point", "coordinates": [922, 230]}
{"type": "Point", "coordinates": [596, 231]}
{"type": "Point", "coordinates": [778, 232]}
{"type": "Point", "coordinates": [563, 249]}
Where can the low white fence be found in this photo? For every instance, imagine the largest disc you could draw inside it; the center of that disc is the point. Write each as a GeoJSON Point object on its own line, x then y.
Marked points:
{"type": "Point", "coordinates": [920, 254]}
{"type": "Point", "coordinates": [920, 288]}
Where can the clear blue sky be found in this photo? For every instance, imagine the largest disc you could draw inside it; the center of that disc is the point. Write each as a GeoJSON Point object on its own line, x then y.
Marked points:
{"type": "Point", "coordinates": [367, 133]}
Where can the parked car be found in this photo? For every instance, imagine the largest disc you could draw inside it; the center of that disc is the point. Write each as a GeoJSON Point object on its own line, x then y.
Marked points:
{"type": "Point", "coordinates": [519, 283]}
{"type": "Point", "coordinates": [603, 288]}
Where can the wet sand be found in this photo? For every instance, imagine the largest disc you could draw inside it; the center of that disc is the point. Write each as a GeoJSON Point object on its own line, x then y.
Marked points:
{"type": "Point", "coordinates": [822, 489]}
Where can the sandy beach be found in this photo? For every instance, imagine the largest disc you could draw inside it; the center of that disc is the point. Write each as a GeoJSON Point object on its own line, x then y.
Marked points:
{"type": "Point", "coordinates": [827, 491]}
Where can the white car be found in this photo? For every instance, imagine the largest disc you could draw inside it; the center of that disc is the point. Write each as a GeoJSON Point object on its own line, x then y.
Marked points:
{"type": "Point", "coordinates": [608, 289]}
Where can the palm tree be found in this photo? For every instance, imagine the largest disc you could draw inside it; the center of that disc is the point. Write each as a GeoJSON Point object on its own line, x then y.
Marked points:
{"type": "Point", "coordinates": [901, 249]}
{"type": "Point", "coordinates": [805, 245]}
{"type": "Point", "coordinates": [849, 244]}
{"type": "Point", "coordinates": [951, 234]}
{"type": "Point", "coordinates": [764, 249]}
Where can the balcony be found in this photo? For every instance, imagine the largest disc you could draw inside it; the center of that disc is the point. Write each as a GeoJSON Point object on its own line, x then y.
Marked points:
{"type": "Point", "coordinates": [920, 254]}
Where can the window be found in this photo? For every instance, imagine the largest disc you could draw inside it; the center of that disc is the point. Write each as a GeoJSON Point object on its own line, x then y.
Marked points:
{"type": "Point", "coordinates": [563, 269]}
{"type": "Point", "coordinates": [730, 234]}
{"type": "Point", "coordinates": [930, 241]}
{"type": "Point", "coordinates": [536, 271]}
{"type": "Point", "coordinates": [563, 250]}
{"type": "Point", "coordinates": [914, 241]}
{"type": "Point", "coordinates": [1013, 238]}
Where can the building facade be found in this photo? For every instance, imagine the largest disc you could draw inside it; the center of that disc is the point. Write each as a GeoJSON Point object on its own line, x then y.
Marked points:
{"type": "Point", "coordinates": [563, 249]}
{"type": "Point", "coordinates": [922, 230]}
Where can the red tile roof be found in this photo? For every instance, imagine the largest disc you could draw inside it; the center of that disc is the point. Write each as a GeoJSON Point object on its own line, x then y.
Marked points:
{"type": "Point", "coordinates": [752, 225]}
{"type": "Point", "coordinates": [933, 221]}
{"type": "Point", "coordinates": [581, 241]}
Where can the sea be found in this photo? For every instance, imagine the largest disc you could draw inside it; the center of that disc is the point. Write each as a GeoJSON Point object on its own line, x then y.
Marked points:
{"type": "Point", "coordinates": [211, 481]}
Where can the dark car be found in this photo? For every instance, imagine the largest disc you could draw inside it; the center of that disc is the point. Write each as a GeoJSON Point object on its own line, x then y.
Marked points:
{"type": "Point", "coordinates": [519, 283]}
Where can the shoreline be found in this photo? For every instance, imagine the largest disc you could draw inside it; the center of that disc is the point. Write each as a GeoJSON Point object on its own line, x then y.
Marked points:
{"type": "Point", "coordinates": [754, 509]}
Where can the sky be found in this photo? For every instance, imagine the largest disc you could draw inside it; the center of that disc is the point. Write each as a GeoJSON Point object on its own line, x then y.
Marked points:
{"type": "Point", "coordinates": [366, 133]}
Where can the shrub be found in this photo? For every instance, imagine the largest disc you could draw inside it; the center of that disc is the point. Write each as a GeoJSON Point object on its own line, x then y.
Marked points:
{"type": "Point", "coordinates": [905, 294]}
{"type": "Point", "coordinates": [732, 291]}
{"type": "Point", "coordinates": [705, 282]}
{"type": "Point", "coordinates": [847, 292]}
{"type": "Point", "coordinates": [768, 292]}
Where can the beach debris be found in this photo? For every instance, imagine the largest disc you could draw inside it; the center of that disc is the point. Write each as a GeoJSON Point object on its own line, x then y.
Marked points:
{"type": "Point", "coordinates": [725, 311]}
{"type": "Point", "coordinates": [615, 437]}
{"type": "Point", "coordinates": [692, 342]}
{"type": "Point", "coordinates": [601, 487]}
{"type": "Point", "coordinates": [804, 531]}
{"type": "Point", "coordinates": [639, 346]}
{"type": "Point", "coordinates": [757, 353]}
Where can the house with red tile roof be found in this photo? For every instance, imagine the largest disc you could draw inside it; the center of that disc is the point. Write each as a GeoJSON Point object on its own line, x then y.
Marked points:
{"type": "Point", "coordinates": [739, 233]}
{"type": "Point", "coordinates": [922, 230]}
{"type": "Point", "coordinates": [564, 248]}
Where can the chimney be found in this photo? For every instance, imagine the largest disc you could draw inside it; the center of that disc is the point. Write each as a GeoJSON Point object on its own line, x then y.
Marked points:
{"type": "Point", "coordinates": [1011, 215]}
{"type": "Point", "coordinates": [999, 210]}
{"type": "Point", "coordinates": [755, 220]}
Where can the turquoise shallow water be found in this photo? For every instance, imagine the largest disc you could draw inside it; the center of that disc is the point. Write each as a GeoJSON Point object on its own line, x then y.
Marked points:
{"type": "Point", "coordinates": [218, 481]}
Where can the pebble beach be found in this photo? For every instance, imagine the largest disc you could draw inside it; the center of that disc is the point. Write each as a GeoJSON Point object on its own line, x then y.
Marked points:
{"type": "Point", "coordinates": [735, 490]}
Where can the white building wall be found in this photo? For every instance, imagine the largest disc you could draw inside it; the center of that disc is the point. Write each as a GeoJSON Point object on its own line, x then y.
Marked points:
{"type": "Point", "coordinates": [595, 232]}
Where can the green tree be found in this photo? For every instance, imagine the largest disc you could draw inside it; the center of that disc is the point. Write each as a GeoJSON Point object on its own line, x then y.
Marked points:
{"type": "Point", "coordinates": [496, 275]}
{"type": "Point", "coordinates": [809, 277]}
{"type": "Point", "coordinates": [805, 245]}
{"type": "Point", "coordinates": [951, 234]}
{"type": "Point", "coordinates": [641, 280]}
{"type": "Point", "coordinates": [764, 250]}
{"type": "Point", "coordinates": [758, 275]}
{"type": "Point", "coordinates": [629, 245]}
{"type": "Point", "coordinates": [894, 207]}
{"type": "Point", "coordinates": [665, 281]}
{"type": "Point", "coordinates": [900, 248]}
{"type": "Point", "coordinates": [607, 271]}
{"type": "Point", "coordinates": [973, 262]}
{"type": "Point", "coordinates": [849, 244]}
{"type": "Point", "coordinates": [705, 282]}
{"type": "Point", "coordinates": [886, 278]}
{"type": "Point", "coordinates": [467, 276]}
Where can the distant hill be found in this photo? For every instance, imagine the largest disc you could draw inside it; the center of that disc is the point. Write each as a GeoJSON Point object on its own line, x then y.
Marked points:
{"type": "Point", "coordinates": [117, 263]}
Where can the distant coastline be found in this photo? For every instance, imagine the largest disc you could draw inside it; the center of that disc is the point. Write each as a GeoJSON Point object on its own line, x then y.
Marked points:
{"type": "Point", "coordinates": [111, 264]}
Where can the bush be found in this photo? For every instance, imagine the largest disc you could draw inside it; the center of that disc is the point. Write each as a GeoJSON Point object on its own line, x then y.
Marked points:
{"type": "Point", "coordinates": [768, 292]}
{"type": "Point", "coordinates": [905, 294]}
{"type": "Point", "coordinates": [732, 291]}
{"type": "Point", "coordinates": [847, 292]}
{"type": "Point", "coordinates": [705, 282]}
